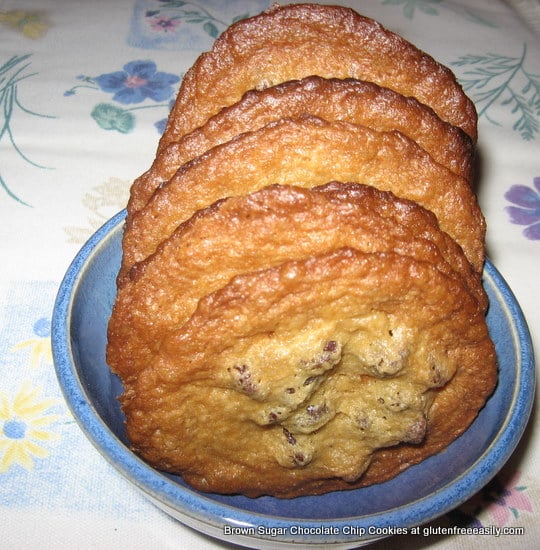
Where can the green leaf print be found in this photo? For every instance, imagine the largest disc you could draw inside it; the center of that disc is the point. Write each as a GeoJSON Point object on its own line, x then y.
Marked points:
{"type": "Point", "coordinates": [495, 80]}
{"type": "Point", "coordinates": [409, 6]}
{"type": "Point", "coordinates": [110, 117]}
{"type": "Point", "coordinates": [12, 74]}
{"type": "Point", "coordinates": [211, 29]}
{"type": "Point", "coordinates": [433, 7]}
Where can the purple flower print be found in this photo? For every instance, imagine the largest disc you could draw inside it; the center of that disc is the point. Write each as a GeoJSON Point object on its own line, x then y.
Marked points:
{"type": "Point", "coordinates": [138, 81]}
{"type": "Point", "coordinates": [502, 500]}
{"type": "Point", "coordinates": [505, 500]}
{"type": "Point", "coordinates": [527, 211]}
{"type": "Point", "coordinates": [510, 503]}
{"type": "Point", "coordinates": [164, 24]}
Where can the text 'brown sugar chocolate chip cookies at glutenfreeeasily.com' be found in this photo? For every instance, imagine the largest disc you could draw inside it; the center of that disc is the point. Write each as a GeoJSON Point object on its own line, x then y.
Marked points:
{"type": "Point", "coordinates": [300, 307]}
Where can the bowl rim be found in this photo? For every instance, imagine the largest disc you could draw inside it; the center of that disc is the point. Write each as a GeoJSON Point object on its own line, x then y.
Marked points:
{"type": "Point", "coordinates": [196, 507]}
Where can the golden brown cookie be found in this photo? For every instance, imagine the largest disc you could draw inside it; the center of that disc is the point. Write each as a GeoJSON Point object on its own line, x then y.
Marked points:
{"type": "Point", "coordinates": [289, 380]}
{"type": "Point", "coordinates": [265, 228]}
{"type": "Point", "coordinates": [349, 100]}
{"type": "Point", "coordinates": [294, 41]}
{"type": "Point", "coordinates": [278, 336]}
{"type": "Point", "coordinates": [307, 152]}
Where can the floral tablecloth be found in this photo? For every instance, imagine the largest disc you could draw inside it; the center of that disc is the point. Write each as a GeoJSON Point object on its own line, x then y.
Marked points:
{"type": "Point", "coordinates": [85, 88]}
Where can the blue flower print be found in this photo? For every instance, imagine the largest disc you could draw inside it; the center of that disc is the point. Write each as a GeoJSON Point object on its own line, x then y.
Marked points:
{"type": "Point", "coordinates": [39, 345]}
{"type": "Point", "coordinates": [162, 124]}
{"type": "Point", "coordinates": [527, 211]}
{"type": "Point", "coordinates": [42, 327]}
{"type": "Point", "coordinates": [138, 81]}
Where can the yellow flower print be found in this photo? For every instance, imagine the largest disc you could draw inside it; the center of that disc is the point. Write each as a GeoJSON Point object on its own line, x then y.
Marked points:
{"type": "Point", "coordinates": [40, 346]}
{"type": "Point", "coordinates": [23, 427]}
{"type": "Point", "coordinates": [31, 24]}
{"type": "Point", "coordinates": [102, 201]}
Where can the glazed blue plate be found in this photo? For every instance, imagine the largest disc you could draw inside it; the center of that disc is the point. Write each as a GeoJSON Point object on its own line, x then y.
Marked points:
{"type": "Point", "coordinates": [340, 519]}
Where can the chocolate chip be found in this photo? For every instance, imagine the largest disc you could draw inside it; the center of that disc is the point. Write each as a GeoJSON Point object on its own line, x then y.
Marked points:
{"type": "Point", "coordinates": [299, 458]}
{"type": "Point", "coordinates": [317, 411]}
{"type": "Point", "coordinates": [310, 380]}
{"type": "Point", "coordinates": [331, 345]}
{"type": "Point", "coordinates": [363, 422]}
{"type": "Point", "coordinates": [290, 437]}
{"type": "Point", "coordinates": [437, 378]}
{"type": "Point", "coordinates": [328, 357]}
{"type": "Point", "coordinates": [417, 431]}
{"type": "Point", "coordinates": [242, 376]}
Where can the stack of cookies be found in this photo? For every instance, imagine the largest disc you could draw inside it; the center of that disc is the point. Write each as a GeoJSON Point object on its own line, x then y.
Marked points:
{"type": "Point", "coordinates": [300, 305]}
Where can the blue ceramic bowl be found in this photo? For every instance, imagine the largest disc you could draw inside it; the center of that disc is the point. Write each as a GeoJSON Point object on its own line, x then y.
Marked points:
{"type": "Point", "coordinates": [341, 519]}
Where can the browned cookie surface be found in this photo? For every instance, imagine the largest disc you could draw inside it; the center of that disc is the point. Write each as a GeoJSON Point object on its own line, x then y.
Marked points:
{"type": "Point", "coordinates": [350, 100]}
{"type": "Point", "coordinates": [265, 228]}
{"type": "Point", "coordinates": [307, 152]}
{"type": "Point", "coordinates": [290, 380]}
{"type": "Point", "coordinates": [294, 41]}
{"type": "Point", "coordinates": [277, 334]}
